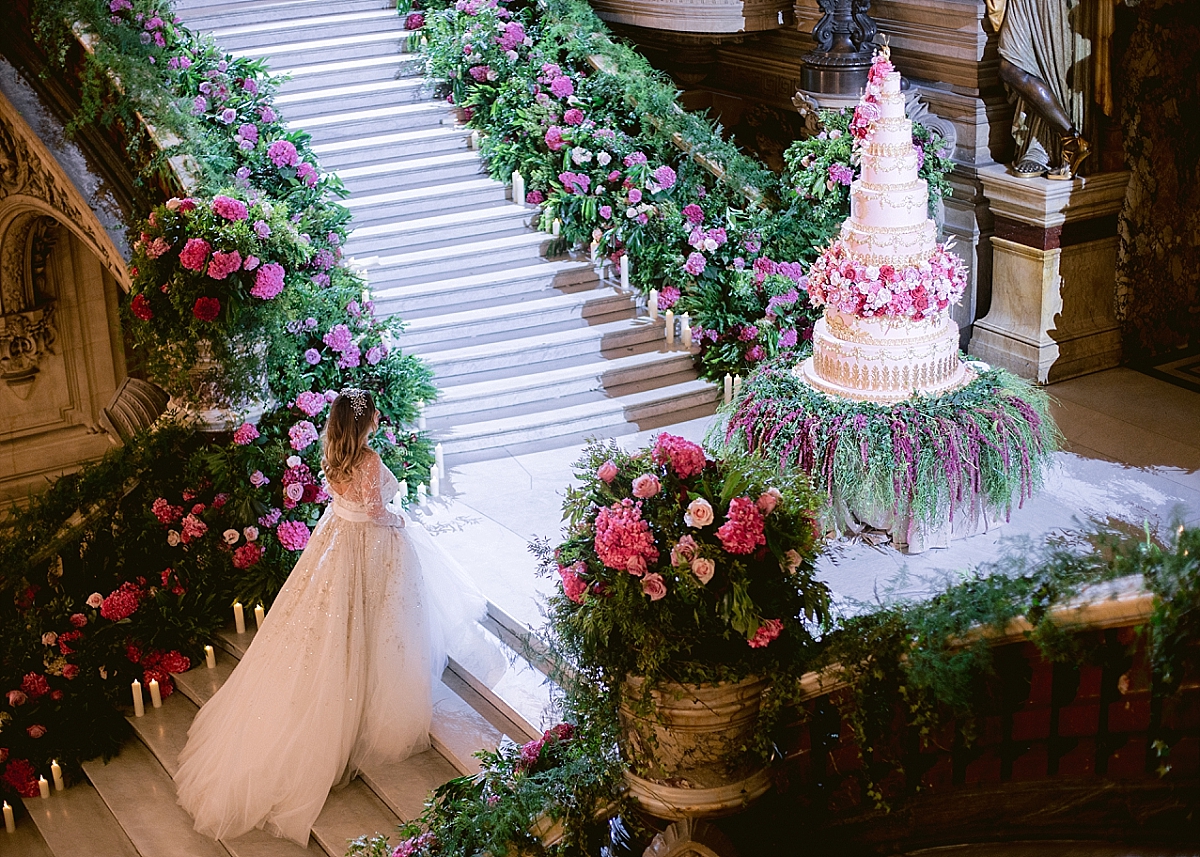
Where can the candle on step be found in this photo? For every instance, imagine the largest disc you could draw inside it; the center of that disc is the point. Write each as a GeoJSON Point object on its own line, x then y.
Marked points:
{"type": "Point", "coordinates": [439, 457]}
{"type": "Point", "coordinates": [56, 773]}
{"type": "Point", "coordinates": [518, 185]}
{"type": "Point", "coordinates": [737, 384]}
{"type": "Point", "coordinates": [685, 330]}
{"type": "Point", "coordinates": [366, 295]}
{"type": "Point", "coordinates": [421, 491]}
{"type": "Point", "coordinates": [43, 787]}
{"type": "Point", "coordinates": [10, 823]}
{"type": "Point", "coordinates": [259, 613]}
{"type": "Point", "coordinates": [420, 415]}
{"type": "Point", "coordinates": [652, 304]}
{"type": "Point", "coordinates": [625, 270]}
{"type": "Point", "coordinates": [728, 388]}
{"type": "Point", "coordinates": [210, 657]}
{"type": "Point", "coordinates": [435, 484]}
{"type": "Point", "coordinates": [670, 318]}
{"type": "Point", "coordinates": [474, 143]}
{"type": "Point", "coordinates": [239, 617]}
{"type": "Point", "coordinates": [595, 251]}
{"type": "Point", "coordinates": [403, 492]}
{"type": "Point", "coordinates": [555, 227]}
{"type": "Point", "coordinates": [139, 707]}
{"type": "Point", "coordinates": [155, 695]}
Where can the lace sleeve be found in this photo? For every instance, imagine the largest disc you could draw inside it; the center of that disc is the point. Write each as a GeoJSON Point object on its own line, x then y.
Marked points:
{"type": "Point", "coordinates": [369, 479]}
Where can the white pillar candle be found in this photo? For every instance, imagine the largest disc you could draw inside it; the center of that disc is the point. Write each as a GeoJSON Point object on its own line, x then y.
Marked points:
{"type": "Point", "coordinates": [403, 492]}
{"type": "Point", "coordinates": [56, 773]}
{"type": "Point", "coordinates": [155, 695]}
{"type": "Point", "coordinates": [259, 613]}
{"type": "Point", "coordinates": [239, 617]}
{"type": "Point", "coordinates": [139, 707]}
{"type": "Point", "coordinates": [420, 415]}
{"type": "Point", "coordinates": [555, 227]}
{"type": "Point", "coordinates": [652, 304]}
{"type": "Point", "coordinates": [421, 491]}
{"type": "Point", "coordinates": [366, 295]}
{"type": "Point", "coordinates": [625, 270]}
{"type": "Point", "coordinates": [670, 317]}
{"type": "Point", "coordinates": [439, 457]}
{"type": "Point", "coordinates": [10, 823]}
{"type": "Point", "coordinates": [474, 141]}
{"type": "Point", "coordinates": [737, 384]}
{"type": "Point", "coordinates": [595, 251]}
{"type": "Point", "coordinates": [210, 657]}
{"type": "Point", "coordinates": [518, 185]}
{"type": "Point", "coordinates": [685, 330]}
{"type": "Point", "coordinates": [435, 484]}
{"type": "Point", "coordinates": [43, 787]}
{"type": "Point", "coordinates": [728, 388]}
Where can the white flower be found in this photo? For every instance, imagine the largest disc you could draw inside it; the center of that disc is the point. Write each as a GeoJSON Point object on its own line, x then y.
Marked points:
{"type": "Point", "coordinates": [251, 533]}
{"type": "Point", "coordinates": [580, 155]}
{"type": "Point", "coordinates": [173, 538]}
{"type": "Point", "coordinates": [703, 568]}
{"type": "Point", "coordinates": [231, 536]}
{"type": "Point", "coordinates": [834, 134]}
{"type": "Point", "coordinates": [293, 461]}
{"type": "Point", "coordinates": [710, 244]}
{"type": "Point", "coordinates": [513, 56]}
{"type": "Point", "coordinates": [294, 491]}
{"type": "Point", "coordinates": [604, 159]}
{"type": "Point", "coordinates": [699, 513]}
{"type": "Point", "coordinates": [631, 213]}
{"type": "Point", "coordinates": [872, 272]}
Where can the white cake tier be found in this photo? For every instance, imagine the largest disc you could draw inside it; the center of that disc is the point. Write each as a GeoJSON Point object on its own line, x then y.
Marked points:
{"type": "Point", "coordinates": [888, 205]}
{"type": "Point", "coordinates": [891, 101]}
{"type": "Point", "coordinates": [895, 131]}
{"type": "Point", "coordinates": [881, 245]}
{"type": "Point", "coordinates": [889, 165]}
{"type": "Point", "coordinates": [923, 360]}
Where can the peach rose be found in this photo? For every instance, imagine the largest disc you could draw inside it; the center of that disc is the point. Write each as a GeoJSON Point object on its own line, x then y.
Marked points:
{"type": "Point", "coordinates": [653, 585]}
{"type": "Point", "coordinates": [703, 569]}
{"type": "Point", "coordinates": [699, 513]}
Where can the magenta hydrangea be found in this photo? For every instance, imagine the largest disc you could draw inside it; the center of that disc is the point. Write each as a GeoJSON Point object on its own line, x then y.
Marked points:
{"type": "Point", "coordinates": [574, 116]}
{"type": "Point", "coordinates": [224, 264]}
{"type": "Point", "coordinates": [244, 434]}
{"type": "Point", "coordinates": [311, 403]}
{"type": "Point", "coordinates": [228, 207]}
{"type": "Point", "coordinates": [694, 214]}
{"type": "Point", "coordinates": [293, 535]}
{"type": "Point", "coordinates": [303, 434]}
{"type": "Point", "coordinates": [686, 458]}
{"type": "Point", "coordinates": [268, 282]}
{"type": "Point", "coordinates": [561, 87]}
{"type": "Point", "coordinates": [283, 154]}
{"type": "Point", "coordinates": [194, 254]}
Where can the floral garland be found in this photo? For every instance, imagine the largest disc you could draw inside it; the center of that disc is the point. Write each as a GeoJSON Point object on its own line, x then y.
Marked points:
{"type": "Point", "coordinates": [866, 112]}
{"type": "Point", "coordinates": [921, 458]}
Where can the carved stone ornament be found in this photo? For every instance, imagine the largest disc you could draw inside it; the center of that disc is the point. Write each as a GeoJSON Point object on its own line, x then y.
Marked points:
{"type": "Point", "coordinates": [697, 16]}
{"type": "Point", "coordinates": [27, 332]}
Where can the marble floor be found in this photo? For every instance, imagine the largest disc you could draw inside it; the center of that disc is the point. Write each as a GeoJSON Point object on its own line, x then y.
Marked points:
{"type": "Point", "coordinates": [1132, 453]}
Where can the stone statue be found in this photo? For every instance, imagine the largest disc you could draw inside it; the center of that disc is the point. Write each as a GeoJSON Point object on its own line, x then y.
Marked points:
{"type": "Point", "coordinates": [1054, 57]}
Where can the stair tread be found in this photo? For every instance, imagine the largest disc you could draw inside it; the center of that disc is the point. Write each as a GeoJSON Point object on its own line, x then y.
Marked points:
{"type": "Point", "coordinates": [398, 137]}
{"type": "Point", "coordinates": [403, 786]}
{"type": "Point", "coordinates": [530, 343]}
{"type": "Point", "coordinates": [337, 118]}
{"type": "Point", "coordinates": [164, 730]}
{"type": "Point", "coordinates": [409, 165]}
{"type": "Point", "coordinates": [334, 92]}
{"type": "Point", "coordinates": [351, 812]}
{"type": "Point", "coordinates": [78, 821]}
{"type": "Point", "coordinates": [516, 310]}
{"type": "Point", "coordinates": [458, 730]}
{"type": "Point", "coordinates": [506, 211]}
{"type": "Point", "coordinates": [465, 250]}
{"type": "Point", "coordinates": [323, 18]}
{"type": "Point", "coordinates": [547, 267]}
{"type": "Point", "coordinates": [449, 190]}
{"type": "Point", "coordinates": [267, 51]}
{"type": "Point", "coordinates": [324, 68]}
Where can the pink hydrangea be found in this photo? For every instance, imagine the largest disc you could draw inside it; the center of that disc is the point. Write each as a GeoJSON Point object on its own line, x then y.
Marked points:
{"type": "Point", "coordinates": [694, 214]}
{"type": "Point", "coordinates": [573, 585]}
{"type": "Point", "coordinates": [193, 529]}
{"type": "Point", "coordinates": [224, 264]}
{"type": "Point", "coordinates": [121, 603]}
{"type": "Point", "coordinates": [561, 87]}
{"type": "Point", "coordinates": [283, 154]}
{"type": "Point", "coordinates": [339, 338]}
{"type": "Point", "coordinates": [742, 531]}
{"type": "Point", "coordinates": [554, 138]}
{"type": "Point", "coordinates": [646, 486]}
{"type": "Point", "coordinates": [303, 434]}
{"type": "Point", "coordinates": [165, 512]}
{"type": "Point", "coordinates": [311, 403]}
{"type": "Point", "coordinates": [293, 535]}
{"type": "Point", "coordinates": [574, 116]}
{"type": "Point", "coordinates": [767, 631]}
{"type": "Point", "coordinates": [695, 264]}
{"type": "Point", "coordinates": [665, 177]}
{"type": "Point", "coordinates": [247, 555]}
{"type": "Point", "coordinates": [194, 254]}
{"type": "Point", "coordinates": [268, 282]}
{"type": "Point", "coordinates": [623, 540]}
{"type": "Point", "coordinates": [245, 434]}
{"type": "Point", "coordinates": [686, 458]}
{"type": "Point", "coordinates": [228, 207]}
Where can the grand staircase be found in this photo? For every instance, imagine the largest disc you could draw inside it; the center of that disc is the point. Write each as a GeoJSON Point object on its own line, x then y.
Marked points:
{"type": "Point", "coordinates": [527, 350]}
{"type": "Point", "coordinates": [127, 806]}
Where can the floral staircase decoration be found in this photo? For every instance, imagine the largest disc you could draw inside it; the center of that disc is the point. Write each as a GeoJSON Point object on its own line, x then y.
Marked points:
{"type": "Point", "coordinates": [687, 597]}
{"type": "Point", "coordinates": [902, 434]}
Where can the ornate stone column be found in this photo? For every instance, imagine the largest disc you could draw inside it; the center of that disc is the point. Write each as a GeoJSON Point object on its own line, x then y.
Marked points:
{"type": "Point", "coordinates": [1054, 257]}
{"type": "Point", "coordinates": [835, 72]}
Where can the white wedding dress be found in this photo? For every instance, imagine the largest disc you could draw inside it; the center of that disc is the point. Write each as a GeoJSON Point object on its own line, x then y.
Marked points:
{"type": "Point", "coordinates": [342, 670]}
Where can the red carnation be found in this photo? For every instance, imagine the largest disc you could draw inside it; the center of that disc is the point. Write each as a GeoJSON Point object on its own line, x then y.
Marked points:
{"type": "Point", "coordinates": [206, 309]}
{"type": "Point", "coordinates": [141, 308]}
{"type": "Point", "coordinates": [35, 685]}
{"type": "Point", "coordinates": [21, 777]}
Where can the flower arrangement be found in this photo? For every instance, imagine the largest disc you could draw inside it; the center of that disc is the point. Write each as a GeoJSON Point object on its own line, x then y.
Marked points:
{"type": "Point", "coordinates": [680, 568]}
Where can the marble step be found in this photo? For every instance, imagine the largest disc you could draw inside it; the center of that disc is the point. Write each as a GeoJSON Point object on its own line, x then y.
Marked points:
{"type": "Point", "coordinates": [306, 77]}
{"type": "Point", "coordinates": [26, 840]}
{"type": "Point", "coordinates": [428, 232]}
{"type": "Point", "coordinates": [516, 356]}
{"type": "Point", "coordinates": [454, 329]}
{"type": "Point", "coordinates": [345, 125]}
{"type": "Point", "coordinates": [77, 821]}
{"type": "Point", "coordinates": [459, 730]}
{"type": "Point", "coordinates": [645, 368]}
{"type": "Point", "coordinates": [236, 37]}
{"type": "Point", "coordinates": [630, 413]}
{"type": "Point", "coordinates": [203, 16]}
{"type": "Point", "coordinates": [460, 259]}
{"type": "Point", "coordinates": [298, 106]}
{"type": "Point", "coordinates": [496, 288]}
{"type": "Point", "coordinates": [371, 209]}
{"type": "Point", "coordinates": [404, 786]}
{"type": "Point", "coordinates": [412, 172]}
{"type": "Point", "coordinates": [396, 146]}
{"type": "Point", "coordinates": [384, 43]}
{"type": "Point", "coordinates": [350, 812]}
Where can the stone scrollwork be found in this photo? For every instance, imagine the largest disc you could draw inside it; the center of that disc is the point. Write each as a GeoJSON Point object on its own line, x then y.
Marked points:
{"type": "Point", "coordinates": [27, 332]}
{"type": "Point", "coordinates": [25, 338]}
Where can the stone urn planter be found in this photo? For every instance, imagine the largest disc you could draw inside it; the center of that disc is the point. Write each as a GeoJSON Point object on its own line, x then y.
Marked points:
{"type": "Point", "coordinates": [203, 404]}
{"type": "Point", "coordinates": [685, 747]}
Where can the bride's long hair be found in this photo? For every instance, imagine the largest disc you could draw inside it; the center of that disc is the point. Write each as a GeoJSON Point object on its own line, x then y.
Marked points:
{"type": "Point", "coordinates": [351, 419]}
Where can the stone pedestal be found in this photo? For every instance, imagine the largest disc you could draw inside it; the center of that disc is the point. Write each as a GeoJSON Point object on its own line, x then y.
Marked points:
{"type": "Point", "coordinates": [1054, 256]}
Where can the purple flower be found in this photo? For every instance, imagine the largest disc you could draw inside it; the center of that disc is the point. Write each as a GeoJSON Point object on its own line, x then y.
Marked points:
{"type": "Point", "coordinates": [268, 283]}
{"type": "Point", "coordinates": [199, 105]}
{"type": "Point", "coordinates": [350, 358]}
{"type": "Point", "coordinates": [228, 115]}
{"type": "Point", "coordinates": [353, 309]}
{"type": "Point", "coordinates": [841, 174]}
{"type": "Point", "coordinates": [339, 338]}
{"type": "Point", "coordinates": [375, 353]}
{"type": "Point", "coordinates": [634, 158]}
{"type": "Point", "coordinates": [312, 356]}
{"type": "Point", "coordinates": [635, 196]}
{"type": "Point", "coordinates": [267, 114]}
{"type": "Point", "coordinates": [749, 333]}
{"type": "Point", "coordinates": [307, 173]}
{"type": "Point", "coordinates": [695, 264]}
{"type": "Point", "coordinates": [665, 177]}
{"type": "Point", "coordinates": [250, 85]}
{"type": "Point", "coordinates": [248, 132]}
{"type": "Point", "coordinates": [788, 339]}
{"type": "Point", "coordinates": [606, 212]}
{"type": "Point", "coordinates": [755, 354]}
{"type": "Point", "coordinates": [574, 116]}
{"type": "Point", "coordinates": [303, 434]}
{"type": "Point", "coordinates": [694, 214]}
{"type": "Point", "coordinates": [262, 230]}
{"type": "Point", "coordinates": [282, 154]}
{"type": "Point", "coordinates": [535, 197]}
{"type": "Point", "coordinates": [561, 87]}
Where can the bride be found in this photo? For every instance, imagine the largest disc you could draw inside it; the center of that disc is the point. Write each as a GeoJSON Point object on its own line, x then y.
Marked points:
{"type": "Point", "coordinates": [344, 665]}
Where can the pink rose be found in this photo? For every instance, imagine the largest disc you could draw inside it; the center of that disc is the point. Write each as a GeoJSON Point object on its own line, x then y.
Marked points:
{"type": "Point", "coordinates": [49, 638]}
{"type": "Point", "coordinates": [16, 697]}
{"type": "Point", "coordinates": [95, 600]}
{"type": "Point", "coordinates": [79, 620]}
{"type": "Point", "coordinates": [699, 513]}
{"type": "Point", "coordinates": [646, 486]}
{"type": "Point", "coordinates": [768, 500]}
{"type": "Point", "coordinates": [653, 585]}
{"type": "Point", "coordinates": [70, 671]}
{"type": "Point", "coordinates": [636, 565]}
{"type": "Point", "coordinates": [703, 569]}
{"type": "Point", "coordinates": [684, 551]}
{"type": "Point", "coordinates": [36, 730]}
{"type": "Point", "coordinates": [791, 562]}
{"type": "Point", "coordinates": [607, 472]}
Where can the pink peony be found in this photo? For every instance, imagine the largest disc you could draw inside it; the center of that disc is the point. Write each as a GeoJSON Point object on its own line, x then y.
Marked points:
{"type": "Point", "coordinates": [768, 500]}
{"type": "Point", "coordinates": [21, 777]}
{"type": "Point", "coordinates": [194, 254]}
{"type": "Point", "coordinates": [293, 535]}
{"type": "Point", "coordinates": [767, 631]}
{"type": "Point", "coordinates": [70, 671]}
{"type": "Point", "coordinates": [79, 620]}
{"type": "Point", "coordinates": [121, 603]}
{"type": "Point", "coordinates": [695, 264]}
{"type": "Point", "coordinates": [554, 139]}
{"type": "Point", "coordinates": [607, 471]}
{"type": "Point", "coordinates": [694, 214]}
{"type": "Point", "coordinates": [665, 177]}
{"type": "Point", "coordinates": [268, 282]}
{"type": "Point", "coordinates": [653, 585]}
{"type": "Point", "coordinates": [227, 206]}
{"type": "Point", "coordinates": [574, 116]}
{"type": "Point", "coordinates": [193, 529]}
{"type": "Point", "coordinates": [247, 555]}
{"type": "Point", "coordinates": [621, 535]}
{"type": "Point", "coordinates": [245, 434]}
{"type": "Point", "coordinates": [561, 87]}
{"type": "Point", "coordinates": [224, 264]}
{"type": "Point", "coordinates": [742, 531]}
{"type": "Point", "coordinates": [140, 307]}
{"type": "Point", "coordinates": [35, 685]}
{"type": "Point", "coordinates": [646, 486]}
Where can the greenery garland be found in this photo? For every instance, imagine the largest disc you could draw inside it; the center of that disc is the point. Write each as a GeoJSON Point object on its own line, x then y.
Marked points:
{"type": "Point", "coordinates": [920, 459]}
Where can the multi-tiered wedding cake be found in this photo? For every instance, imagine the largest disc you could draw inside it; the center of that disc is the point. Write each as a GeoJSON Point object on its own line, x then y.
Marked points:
{"type": "Point", "coordinates": [886, 284]}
